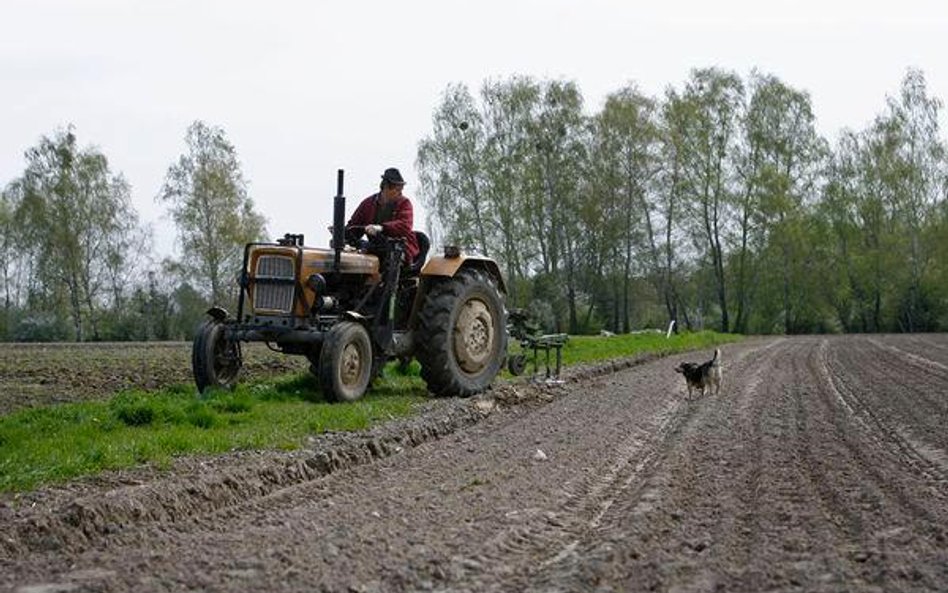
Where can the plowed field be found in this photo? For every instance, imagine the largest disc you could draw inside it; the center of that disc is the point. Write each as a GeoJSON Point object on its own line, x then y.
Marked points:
{"type": "Point", "coordinates": [42, 374]}
{"type": "Point", "coordinates": [821, 466]}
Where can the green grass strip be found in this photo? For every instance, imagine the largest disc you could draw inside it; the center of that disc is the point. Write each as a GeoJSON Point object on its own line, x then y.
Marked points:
{"type": "Point", "coordinates": [591, 349]}
{"type": "Point", "coordinates": [53, 444]}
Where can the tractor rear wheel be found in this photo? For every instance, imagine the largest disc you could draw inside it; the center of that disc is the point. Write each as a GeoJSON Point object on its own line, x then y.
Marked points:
{"type": "Point", "coordinates": [461, 335]}
{"type": "Point", "coordinates": [215, 360]}
{"type": "Point", "coordinates": [345, 363]}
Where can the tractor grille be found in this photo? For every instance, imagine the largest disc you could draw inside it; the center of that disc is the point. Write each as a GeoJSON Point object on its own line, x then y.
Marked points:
{"type": "Point", "coordinates": [274, 283]}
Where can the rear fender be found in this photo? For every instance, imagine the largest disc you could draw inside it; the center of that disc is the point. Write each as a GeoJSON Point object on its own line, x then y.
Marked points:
{"type": "Point", "coordinates": [447, 267]}
{"type": "Point", "coordinates": [440, 266]}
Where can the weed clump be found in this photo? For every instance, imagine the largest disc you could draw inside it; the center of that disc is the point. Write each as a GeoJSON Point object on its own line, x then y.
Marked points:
{"type": "Point", "coordinates": [135, 415]}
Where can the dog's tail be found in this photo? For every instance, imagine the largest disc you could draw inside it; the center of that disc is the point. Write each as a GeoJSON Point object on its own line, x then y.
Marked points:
{"type": "Point", "coordinates": [716, 360]}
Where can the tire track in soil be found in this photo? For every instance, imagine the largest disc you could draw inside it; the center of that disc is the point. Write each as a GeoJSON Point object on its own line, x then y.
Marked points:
{"type": "Point", "coordinates": [931, 346]}
{"type": "Point", "coordinates": [659, 534]}
{"type": "Point", "coordinates": [794, 478]}
{"type": "Point", "coordinates": [888, 401]}
{"type": "Point", "coordinates": [875, 485]}
{"type": "Point", "coordinates": [586, 504]}
{"type": "Point", "coordinates": [249, 515]}
{"type": "Point", "coordinates": [632, 451]}
{"type": "Point", "coordinates": [786, 516]}
{"type": "Point", "coordinates": [938, 370]}
{"type": "Point", "coordinates": [790, 542]}
{"type": "Point", "coordinates": [631, 478]}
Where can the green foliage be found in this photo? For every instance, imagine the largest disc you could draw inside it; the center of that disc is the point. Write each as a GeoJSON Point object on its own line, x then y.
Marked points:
{"type": "Point", "coordinates": [585, 349]}
{"type": "Point", "coordinates": [68, 226]}
{"type": "Point", "coordinates": [41, 327]}
{"type": "Point", "coordinates": [135, 415]}
{"type": "Point", "coordinates": [720, 196]}
{"type": "Point", "coordinates": [214, 214]}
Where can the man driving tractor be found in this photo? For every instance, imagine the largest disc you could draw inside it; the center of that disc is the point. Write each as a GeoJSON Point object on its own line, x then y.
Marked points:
{"type": "Point", "coordinates": [387, 213]}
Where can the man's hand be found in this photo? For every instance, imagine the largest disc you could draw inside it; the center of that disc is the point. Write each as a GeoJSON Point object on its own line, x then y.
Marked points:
{"type": "Point", "coordinates": [373, 229]}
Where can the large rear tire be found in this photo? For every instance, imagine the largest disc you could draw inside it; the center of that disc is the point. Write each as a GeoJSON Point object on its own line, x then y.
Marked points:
{"type": "Point", "coordinates": [215, 360]}
{"type": "Point", "coordinates": [461, 335]}
{"type": "Point", "coordinates": [345, 363]}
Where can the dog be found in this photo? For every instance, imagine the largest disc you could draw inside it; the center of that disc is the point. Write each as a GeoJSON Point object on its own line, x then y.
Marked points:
{"type": "Point", "coordinates": [702, 376]}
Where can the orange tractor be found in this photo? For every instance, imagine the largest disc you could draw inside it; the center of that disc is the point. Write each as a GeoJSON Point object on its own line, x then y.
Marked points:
{"type": "Point", "coordinates": [349, 310]}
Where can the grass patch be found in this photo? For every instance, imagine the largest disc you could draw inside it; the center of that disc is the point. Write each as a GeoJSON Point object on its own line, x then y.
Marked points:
{"type": "Point", "coordinates": [590, 349]}
{"type": "Point", "coordinates": [52, 444]}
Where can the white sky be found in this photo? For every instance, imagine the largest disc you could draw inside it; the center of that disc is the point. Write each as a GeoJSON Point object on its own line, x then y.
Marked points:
{"type": "Point", "coordinates": [304, 88]}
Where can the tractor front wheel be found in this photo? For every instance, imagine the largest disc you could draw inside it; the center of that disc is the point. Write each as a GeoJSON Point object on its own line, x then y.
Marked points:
{"type": "Point", "coordinates": [215, 360]}
{"type": "Point", "coordinates": [345, 362]}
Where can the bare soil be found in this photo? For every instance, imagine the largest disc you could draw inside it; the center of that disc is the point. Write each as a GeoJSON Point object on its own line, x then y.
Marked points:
{"type": "Point", "coordinates": [43, 374]}
{"type": "Point", "coordinates": [821, 466]}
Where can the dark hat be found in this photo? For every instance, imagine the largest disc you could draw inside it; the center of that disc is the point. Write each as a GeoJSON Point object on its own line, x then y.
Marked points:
{"type": "Point", "coordinates": [392, 175]}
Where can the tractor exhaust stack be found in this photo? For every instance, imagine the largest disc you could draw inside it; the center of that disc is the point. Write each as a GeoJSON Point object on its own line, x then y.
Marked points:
{"type": "Point", "coordinates": [338, 223]}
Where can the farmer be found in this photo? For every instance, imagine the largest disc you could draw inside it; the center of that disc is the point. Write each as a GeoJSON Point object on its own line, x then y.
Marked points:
{"type": "Point", "coordinates": [387, 213]}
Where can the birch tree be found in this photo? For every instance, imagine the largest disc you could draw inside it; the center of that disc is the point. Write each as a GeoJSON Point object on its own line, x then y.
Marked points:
{"type": "Point", "coordinates": [78, 223]}
{"type": "Point", "coordinates": [710, 108]}
{"type": "Point", "coordinates": [214, 215]}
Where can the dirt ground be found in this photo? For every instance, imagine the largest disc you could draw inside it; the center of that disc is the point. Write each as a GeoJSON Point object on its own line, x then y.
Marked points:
{"type": "Point", "coordinates": [44, 374]}
{"type": "Point", "coordinates": [821, 466]}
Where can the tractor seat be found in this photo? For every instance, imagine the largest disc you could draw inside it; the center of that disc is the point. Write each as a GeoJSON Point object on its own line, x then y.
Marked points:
{"type": "Point", "coordinates": [424, 244]}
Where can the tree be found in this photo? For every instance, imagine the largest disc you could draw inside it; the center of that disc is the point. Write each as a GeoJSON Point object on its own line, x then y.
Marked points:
{"type": "Point", "coordinates": [915, 179]}
{"type": "Point", "coordinates": [699, 205]}
{"type": "Point", "coordinates": [452, 176]}
{"type": "Point", "coordinates": [9, 259]}
{"type": "Point", "coordinates": [780, 166]}
{"type": "Point", "coordinates": [884, 193]}
{"type": "Point", "coordinates": [627, 163]}
{"type": "Point", "coordinates": [214, 215]}
{"type": "Point", "coordinates": [79, 229]}
{"type": "Point", "coordinates": [709, 112]}
{"type": "Point", "coordinates": [508, 108]}
{"type": "Point", "coordinates": [555, 174]}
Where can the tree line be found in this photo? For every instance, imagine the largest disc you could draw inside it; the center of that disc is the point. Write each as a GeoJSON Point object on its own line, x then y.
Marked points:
{"type": "Point", "coordinates": [76, 263]}
{"type": "Point", "coordinates": [717, 204]}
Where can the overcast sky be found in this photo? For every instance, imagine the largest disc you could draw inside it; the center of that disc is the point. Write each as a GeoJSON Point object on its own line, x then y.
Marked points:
{"type": "Point", "coordinates": [304, 88]}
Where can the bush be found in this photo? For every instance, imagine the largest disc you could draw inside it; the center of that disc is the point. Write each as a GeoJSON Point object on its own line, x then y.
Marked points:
{"type": "Point", "coordinates": [41, 327]}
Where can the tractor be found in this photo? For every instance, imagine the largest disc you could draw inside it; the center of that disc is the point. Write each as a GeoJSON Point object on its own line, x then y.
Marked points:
{"type": "Point", "coordinates": [351, 308]}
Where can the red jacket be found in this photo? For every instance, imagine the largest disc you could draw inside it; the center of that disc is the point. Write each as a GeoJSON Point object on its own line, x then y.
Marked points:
{"type": "Point", "coordinates": [398, 223]}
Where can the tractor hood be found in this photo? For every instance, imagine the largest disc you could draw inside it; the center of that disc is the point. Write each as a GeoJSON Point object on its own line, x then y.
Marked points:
{"type": "Point", "coordinates": [276, 277]}
{"type": "Point", "coordinates": [311, 260]}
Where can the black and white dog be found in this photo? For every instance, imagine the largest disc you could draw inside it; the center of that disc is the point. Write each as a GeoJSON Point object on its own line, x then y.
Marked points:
{"type": "Point", "coordinates": [702, 376]}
